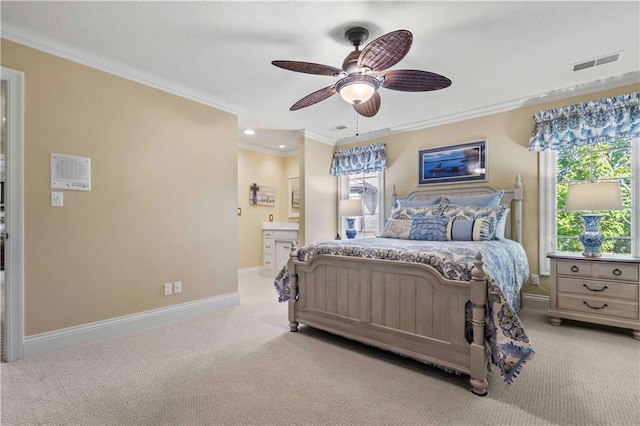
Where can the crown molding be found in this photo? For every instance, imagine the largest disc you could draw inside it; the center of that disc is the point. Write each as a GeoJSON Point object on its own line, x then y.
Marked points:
{"type": "Point", "coordinates": [256, 148]}
{"type": "Point", "coordinates": [554, 95]}
{"type": "Point", "coordinates": [319, 138]}
{"type": "Point", "coordinates": [44, 44]}
{"type": "Point", "coordinates": [39, 42]}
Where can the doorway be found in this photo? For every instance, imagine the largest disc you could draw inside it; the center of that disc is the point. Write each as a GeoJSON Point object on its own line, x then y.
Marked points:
{"type": "Point", "coordinates": [12, 215]}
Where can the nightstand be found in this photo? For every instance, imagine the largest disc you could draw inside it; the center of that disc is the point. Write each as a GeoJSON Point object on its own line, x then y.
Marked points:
{"type": "Point", "coordinates": [603, 290]}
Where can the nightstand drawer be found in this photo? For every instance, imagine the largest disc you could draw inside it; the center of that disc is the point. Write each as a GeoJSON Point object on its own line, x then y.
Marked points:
{"type": "Point", "coordinates": [613, 271]}
{"type": "Point", "coordinates": [595, 306]}
{"type": "Point", "coordinates": [573, 268]}
{"type": "Point", "coordinates": [600, 289]}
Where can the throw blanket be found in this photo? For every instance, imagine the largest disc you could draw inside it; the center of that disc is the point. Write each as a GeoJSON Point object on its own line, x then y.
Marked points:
{"type": "Point", "coordinates": [505, 262]}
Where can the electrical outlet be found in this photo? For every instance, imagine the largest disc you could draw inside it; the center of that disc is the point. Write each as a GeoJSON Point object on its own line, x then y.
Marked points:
{"type": "Point", "coordinates": [168, 289]}
{"type": "Point", "coordinates": [535, 279]}
{"type": "Point", "coordinates": [57, 199]}
{"type": "Point", "coordinates": [177, 287]}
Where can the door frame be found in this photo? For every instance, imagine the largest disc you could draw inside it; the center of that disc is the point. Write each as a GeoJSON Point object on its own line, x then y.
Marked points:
{"type": "Point", "coordinates": [14, 216]}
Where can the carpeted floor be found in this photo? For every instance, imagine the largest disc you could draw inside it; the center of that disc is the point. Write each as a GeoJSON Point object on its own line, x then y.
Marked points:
{"type": "Point", "coordinates": [241, 365]}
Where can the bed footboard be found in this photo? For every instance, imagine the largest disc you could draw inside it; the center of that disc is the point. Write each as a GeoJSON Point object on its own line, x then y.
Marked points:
{"type": "Point", "coordinates": [405, 308]}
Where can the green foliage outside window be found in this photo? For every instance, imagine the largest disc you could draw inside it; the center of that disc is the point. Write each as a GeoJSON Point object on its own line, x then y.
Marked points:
{"type": "Point", "coordinates": [604, 161]}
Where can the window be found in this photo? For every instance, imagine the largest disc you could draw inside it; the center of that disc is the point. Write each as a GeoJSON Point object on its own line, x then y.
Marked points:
{"type": "Point", "coordinates": [368, 187]}
{"type": "Point", "coordinates": [618, 160]}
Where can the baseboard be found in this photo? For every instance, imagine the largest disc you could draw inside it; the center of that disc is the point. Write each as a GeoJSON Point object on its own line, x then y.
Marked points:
{"type": "Point", "coordinates": [535, 301]}
{"type": "Point", "coordinates": [59, 339]}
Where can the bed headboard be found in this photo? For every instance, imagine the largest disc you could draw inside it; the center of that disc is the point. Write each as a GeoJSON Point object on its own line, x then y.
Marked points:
{"type": "Point", "coordinates": [513, 197]}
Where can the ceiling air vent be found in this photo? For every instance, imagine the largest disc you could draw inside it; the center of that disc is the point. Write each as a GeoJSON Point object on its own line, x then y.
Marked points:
{"type": "Point", "coordinates": [607, 59]}
{"type": "Point", "coordinates": [340, 127]}
{"type": "Point", "coordinates": [597, 61]}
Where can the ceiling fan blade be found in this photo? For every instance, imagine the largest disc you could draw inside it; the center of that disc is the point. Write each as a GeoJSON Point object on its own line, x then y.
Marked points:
{"type": "Point", "coordinates": [314, 98]}
{"type": "Point", "coordinates": [307, 67]}
{"type": "Point", "coordinates": [414, 81]}
{"type": "Point", "coordinates": [386, 51]}
{"type": "Point", "coordinates": [369, 108]}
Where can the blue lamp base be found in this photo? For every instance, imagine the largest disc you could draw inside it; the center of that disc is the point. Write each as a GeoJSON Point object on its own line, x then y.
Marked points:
{"type": "Point", "coordinates": [351, 230]}
{"type": "Point", "coordinates": [591, 238]}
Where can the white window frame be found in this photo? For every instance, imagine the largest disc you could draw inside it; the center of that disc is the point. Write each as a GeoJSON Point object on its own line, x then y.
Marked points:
{"type": "Point", "coordinates": [343, 194]}
{"type": "Point", "coordinates": [547, 190]}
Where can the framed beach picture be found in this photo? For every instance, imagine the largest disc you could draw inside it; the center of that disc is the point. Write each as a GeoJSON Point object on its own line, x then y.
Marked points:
{"type": "Point", "coordinates": [450, 164]}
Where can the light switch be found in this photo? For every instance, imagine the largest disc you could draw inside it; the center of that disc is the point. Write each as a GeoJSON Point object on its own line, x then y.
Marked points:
{"type": "Point", "coordinates": [57, 199]}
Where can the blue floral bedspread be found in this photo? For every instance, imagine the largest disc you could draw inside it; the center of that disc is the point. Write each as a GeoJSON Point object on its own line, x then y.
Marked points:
{"type": "Point", "coordinates": [506, 265]}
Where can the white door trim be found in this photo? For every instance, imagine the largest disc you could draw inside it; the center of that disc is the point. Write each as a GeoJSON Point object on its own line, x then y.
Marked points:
{"type": "Point", "coordinates": [14, 211]}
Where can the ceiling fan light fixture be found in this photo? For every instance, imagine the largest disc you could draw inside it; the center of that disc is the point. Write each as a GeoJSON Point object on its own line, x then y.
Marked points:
{"type": "Point", "coordinates": [357, 89]}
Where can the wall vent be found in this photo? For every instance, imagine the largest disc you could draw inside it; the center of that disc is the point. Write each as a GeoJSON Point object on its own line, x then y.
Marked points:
{"type": "Point", "coordinates": [606, 59]}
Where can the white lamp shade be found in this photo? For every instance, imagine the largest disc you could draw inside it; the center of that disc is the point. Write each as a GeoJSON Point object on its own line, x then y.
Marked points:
{"type": "Point", "coordinates": [357, 92]}
{"type": "Point", "coordinates": [593, 196]}
{"type": "Point", "coordinates": [350, 208]}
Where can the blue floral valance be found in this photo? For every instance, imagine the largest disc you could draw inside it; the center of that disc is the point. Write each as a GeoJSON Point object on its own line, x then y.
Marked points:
{"type": "Point", "coordinates": [359, 159]}
{"type": "Point", "coordinates": [587, 123]}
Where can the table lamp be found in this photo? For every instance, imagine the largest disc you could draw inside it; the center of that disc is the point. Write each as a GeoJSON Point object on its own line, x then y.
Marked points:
{"type": "Point", "coordinates": [593, 196]}
{"type": "Point", "coordinates": [350, 209]}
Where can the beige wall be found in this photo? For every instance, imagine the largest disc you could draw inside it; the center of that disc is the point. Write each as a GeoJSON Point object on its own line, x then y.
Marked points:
{"type": "Point", "coordinates": [319, 192]}
{"type": "Point", "coordinates": [507, 136]}
{"type": "Point", "coordinates": [162, 206]}
{"type": "Point", "coordinates": [268, 170]}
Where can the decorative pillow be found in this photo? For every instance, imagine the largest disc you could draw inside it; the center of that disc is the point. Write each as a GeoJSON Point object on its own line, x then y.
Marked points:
{"type": "Point", "coordinates": [420, 203]}
{"type": "Point", "coordinates": [473, 212]}
{"type": "Point", "coordinates": [428, 228]}
{"type": "Point", "coordinates": [489, 200]}
{"type": "Point", "coordinates": [502, 225]}
{"type": "Point", "coordinates": [410, 212]}
{"type": "Point", "coordinates": [397, 228]}
{"type": "Point", "coordinates": [459, 229]}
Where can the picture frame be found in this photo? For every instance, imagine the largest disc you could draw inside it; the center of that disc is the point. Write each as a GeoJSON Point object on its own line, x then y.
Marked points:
{"type": "Point", "coordinates": [452, 164]}
{"type": "Point", "coordinates": [262, 195]}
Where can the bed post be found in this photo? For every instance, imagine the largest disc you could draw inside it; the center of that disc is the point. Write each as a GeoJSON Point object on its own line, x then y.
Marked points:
{"type": "Point", "coordinates": [478, 356]}
{"type": "Point", "coordinates": [293, 286]}
{"type": "Point", "coordinates": [517, 207]}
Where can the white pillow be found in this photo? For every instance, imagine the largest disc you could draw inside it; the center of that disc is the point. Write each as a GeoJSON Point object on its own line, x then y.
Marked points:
{"type": "Point", "coordinates": [397, 228]}
{"type": "Point", "coordinates": [502, 224]}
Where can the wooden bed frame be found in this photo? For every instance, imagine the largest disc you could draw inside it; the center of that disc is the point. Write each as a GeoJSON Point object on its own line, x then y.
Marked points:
{"type": "Point", "coordinates": [406, 308]}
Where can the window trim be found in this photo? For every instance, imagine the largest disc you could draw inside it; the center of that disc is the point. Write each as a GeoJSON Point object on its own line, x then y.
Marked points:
{"type": "Point", "coordinates": [547, 203]}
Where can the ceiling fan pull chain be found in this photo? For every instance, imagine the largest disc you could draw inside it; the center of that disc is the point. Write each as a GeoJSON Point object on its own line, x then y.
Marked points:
{"type": "Point", "coordinates": [355, 115]}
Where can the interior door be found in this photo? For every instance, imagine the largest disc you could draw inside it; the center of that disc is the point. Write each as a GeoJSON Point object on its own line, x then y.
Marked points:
{"type": "Point", "coordinates": [3, 233]}
{"type": "Point", "coordinates": [12, 211]}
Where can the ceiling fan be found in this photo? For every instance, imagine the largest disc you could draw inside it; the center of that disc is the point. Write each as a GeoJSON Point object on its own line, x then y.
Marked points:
{"type": "Point", "coordinates": [362, 72]}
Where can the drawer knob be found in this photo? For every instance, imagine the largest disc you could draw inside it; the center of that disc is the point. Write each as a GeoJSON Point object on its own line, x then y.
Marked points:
{"type": "Point", "coordinates": [574, 268]}
{"type": "Point", "coordinates": [595, 307]}
{"type": "Point", "coordinates": [617, 272]}
{"type": "Point", "coordinates": [595, 289]}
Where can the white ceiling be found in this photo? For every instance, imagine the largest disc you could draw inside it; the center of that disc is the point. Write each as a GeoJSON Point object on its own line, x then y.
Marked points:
{"type": "Point", "coordinates": [499, 55]}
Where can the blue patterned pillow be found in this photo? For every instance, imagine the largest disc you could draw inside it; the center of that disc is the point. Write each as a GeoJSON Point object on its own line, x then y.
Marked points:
{"type": "Point", "coordinates": [420, 203]}
{"type": "Point", "coordinates": [397, 228]}
{"type": "Point", "coordinates": [473, 212]}
{"type": "Point", "coordinates": [461, 229]}
{"type": "Point", "coordinates": [489, 200]}
{"type": "Point", "coordinates": [410, 212]}
{"type": "Point", "coordinates": [429, 228]}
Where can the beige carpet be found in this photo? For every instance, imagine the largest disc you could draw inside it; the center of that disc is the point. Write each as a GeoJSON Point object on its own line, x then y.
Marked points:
{"type": "Point", "coordinates": [242, 366]}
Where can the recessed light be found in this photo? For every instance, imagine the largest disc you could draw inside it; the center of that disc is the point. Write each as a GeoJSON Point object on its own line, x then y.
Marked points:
{"type": "Point", "coordinates": [249, 132]}
{"type": "Point", "coordinates": [282, 146]}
